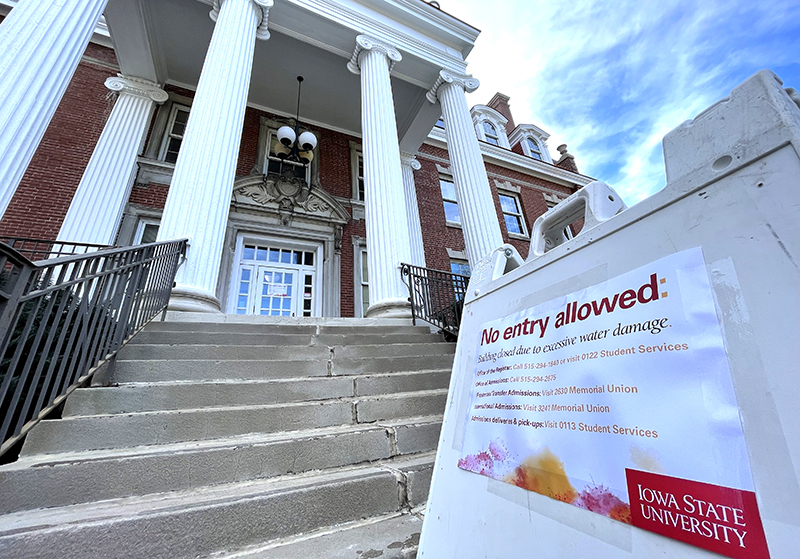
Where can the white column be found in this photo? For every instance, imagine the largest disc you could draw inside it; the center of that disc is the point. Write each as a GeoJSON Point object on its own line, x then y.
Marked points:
{"type": "Point", "coordinates": [200, 193]}
{"type": "Point", "coordinates": [96, 208]}
{"type": "Point", "coordinates": [384, 200]}
{"type": "Point", "coordinates": [475, 203]}
{"type": "Point", "coordinates": [41, 45]}
{"type": "Point", "coordinates": [410, 164]}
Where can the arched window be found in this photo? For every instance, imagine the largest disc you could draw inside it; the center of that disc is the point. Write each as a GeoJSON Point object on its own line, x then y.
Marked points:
{"type": "Point", "coordinates": [490, 132]}
{"type": "Point", "coordinates": [533, 146]}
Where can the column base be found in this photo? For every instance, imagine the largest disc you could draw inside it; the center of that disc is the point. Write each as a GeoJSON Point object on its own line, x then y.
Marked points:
{"type": "Point", "coordinates": [392, 308]}
{"type": "Point", "coordinates": [187, 299]}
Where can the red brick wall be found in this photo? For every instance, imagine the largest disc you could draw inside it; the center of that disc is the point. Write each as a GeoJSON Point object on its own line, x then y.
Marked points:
{"type": "Point", "coordinates": [438, 237]}
{"type": "Point", "coordinates": [43, 197]}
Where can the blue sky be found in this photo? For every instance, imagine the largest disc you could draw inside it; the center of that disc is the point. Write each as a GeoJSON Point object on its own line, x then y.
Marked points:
{"type": "Point", "coordinates": [610, 79]}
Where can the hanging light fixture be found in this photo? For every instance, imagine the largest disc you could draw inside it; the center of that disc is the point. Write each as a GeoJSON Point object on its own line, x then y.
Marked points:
{"type": "Point", "coordinates": [291, 144]}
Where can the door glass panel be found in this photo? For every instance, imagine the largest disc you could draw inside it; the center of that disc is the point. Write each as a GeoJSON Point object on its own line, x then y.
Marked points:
{"type": "Point", "coordinates": [282, 285]}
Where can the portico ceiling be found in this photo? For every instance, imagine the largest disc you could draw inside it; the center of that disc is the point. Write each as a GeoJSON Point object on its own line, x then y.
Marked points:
{"type": "Point", "coordinates": [166, 41]}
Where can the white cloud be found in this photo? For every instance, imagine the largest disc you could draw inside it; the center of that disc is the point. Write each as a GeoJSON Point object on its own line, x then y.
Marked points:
{"type": "Point", "coordinates": [611, 79]}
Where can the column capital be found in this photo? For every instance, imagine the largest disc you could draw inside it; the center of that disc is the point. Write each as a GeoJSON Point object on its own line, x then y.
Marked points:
{"type": "Point", "coordinates": [409, 160]}
{"type": "Point", "coordinates": [366, 43]}
{"type": "Point", "coordinates": [263, 5]}
{"type": "Point", "coordinates": [465, 81]}
{"type": "Point", "coordinates": [138, 87]}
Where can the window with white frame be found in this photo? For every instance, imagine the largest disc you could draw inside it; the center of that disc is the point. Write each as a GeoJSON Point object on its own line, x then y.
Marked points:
{"type": "Point", "coordinates": [173, 135]}
{"type": "Point", "coordinates": [460, 267]}
{"type": "Point", "coordinates": [358, 176]}
{"type": "Point", "coordinates": [146, 231]}
{"type": "Point", "coordinates": [360, 277]}
{"type": "Point", "coordinates": [512, 214]}
{"type": "Point", "coordinates": [275, 164]}
{"type": "Point", "coordinates": [450, 201]}
{"type": "Point", "coordinates": [440, 122]}
{"type": "Point", "coordinates": [490, 133]}
{"type": "Point", "coordinates": [534, 149]}
{"type": "Point", "coordinates": [364, 281]}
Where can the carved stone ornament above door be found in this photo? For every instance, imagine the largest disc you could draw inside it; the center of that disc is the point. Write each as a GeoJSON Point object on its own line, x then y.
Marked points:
{"type": "Point", "coordinates": [288, 196]}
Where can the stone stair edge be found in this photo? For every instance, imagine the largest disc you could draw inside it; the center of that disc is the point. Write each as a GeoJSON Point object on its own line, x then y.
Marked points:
{"type": "Point", "coordinates": [346, 399]}
{"type": "Point", "coordinates": [250, 439]}
{"type": "Point", "coordinates": [203, 496]}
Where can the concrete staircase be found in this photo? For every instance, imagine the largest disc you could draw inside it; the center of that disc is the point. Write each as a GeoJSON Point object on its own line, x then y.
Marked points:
{"type": "Point", "coordinates": [238, 437]}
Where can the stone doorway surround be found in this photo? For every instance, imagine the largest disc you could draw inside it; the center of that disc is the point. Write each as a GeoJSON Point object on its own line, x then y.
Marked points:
{"type": "Point", "coordinates": [286, 209]}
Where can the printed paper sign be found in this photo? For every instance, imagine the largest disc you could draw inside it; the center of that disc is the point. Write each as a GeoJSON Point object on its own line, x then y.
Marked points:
{"type": "Point", "coordinates": [618, 399]}
{"type": "Point", "coordinates": [277, 290]}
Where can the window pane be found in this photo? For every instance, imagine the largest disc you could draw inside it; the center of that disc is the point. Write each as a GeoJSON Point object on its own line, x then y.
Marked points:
{"type": "Point", "coordinates": [261, 254]}
{"type": "Point", "coordinates": [286, 256]}
{"type": "Point", "coordinates": [512, 224]}
{"type": "Point", "coordinates": [460, 268]}
{"type": "Point", "coordinates": [274, 255]}
{"type": "Point", "coordinates": [309, 259]}
{"type": "Point", "coordinates": [181, 116]}
{"type": "Point", "coordinates": [249, 253]}
{"type": "Point", "coordinates": [364, 267]}
{"type": "Point", "coordinates": [178, 128]}
{"type": "Point", "coordinates": [150, 233]}
{"type": "Point", "coordinates": [448, 190]}
{"type": "Point", "coordinates": [492, 141]}
{"type": "Point", "coordinates": [245, 275]}
{"type": "Point", "coordinates": [508, 204]}
{"type": "Point", "coordinates": [488, 129]}
{"type": "Point", "coordinates": [451, 212]}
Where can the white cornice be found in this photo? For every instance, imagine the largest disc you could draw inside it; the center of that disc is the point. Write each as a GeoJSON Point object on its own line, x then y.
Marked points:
{"type": "Point", "coordinates": [523, 130]}
{"type": "Point", "coordinates": [511, 160]}
{"type": "Point", "coordinates": [363, 25]}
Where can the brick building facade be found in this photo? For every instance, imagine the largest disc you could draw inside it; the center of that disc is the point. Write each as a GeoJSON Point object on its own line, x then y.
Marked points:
{"type": "Point", "coordinates": [523, 179]}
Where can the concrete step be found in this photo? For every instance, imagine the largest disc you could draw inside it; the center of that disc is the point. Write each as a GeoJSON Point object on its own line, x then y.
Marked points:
{"type": "Point", "coordinates": [279, 352]}
{"type": "Point", "coordinates": [220, 318]}
{"type": "Point", "coordinates": [94, 432]}
{"type": "Point", "coordinates": [274, 338]}
{"type": "Point", "coordinates": [223, 352]}
{"type": "Point", "coordinates": [211, 520]}
{"type": "Point", "coordinates": [344, 328]}
{"type": "Point", "coordinates": [152, 370]}
{"type": "Point", "coordinates": [79, 477]}
{"type": "Point", "coordinates": [361, 366]}
{"type": "Point", "coordinates": [138, 397]}
{"type": "Point", "coordinates": [395, 536]}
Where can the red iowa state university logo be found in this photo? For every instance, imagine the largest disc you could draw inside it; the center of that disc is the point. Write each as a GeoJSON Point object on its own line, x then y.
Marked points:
{"type": "Point", "coordinates": [720, 519]}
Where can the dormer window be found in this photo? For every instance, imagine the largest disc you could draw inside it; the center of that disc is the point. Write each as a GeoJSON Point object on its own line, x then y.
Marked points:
{"type": "Point", "coordinates": [533, 147]}
{"type": "Point", "coordinates": [532, 140]}
{"type": "Point", "coordinates": [490, 133]}
{"type": "Point", "coordinates": [490, 126]}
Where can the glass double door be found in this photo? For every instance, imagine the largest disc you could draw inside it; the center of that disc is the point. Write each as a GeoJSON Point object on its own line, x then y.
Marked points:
{"type": "Point", "coordinates": [276, 282]}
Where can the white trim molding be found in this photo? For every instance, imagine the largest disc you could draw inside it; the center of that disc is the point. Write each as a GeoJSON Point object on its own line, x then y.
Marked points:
{"type": "Point", "coordinates": [509, 159]}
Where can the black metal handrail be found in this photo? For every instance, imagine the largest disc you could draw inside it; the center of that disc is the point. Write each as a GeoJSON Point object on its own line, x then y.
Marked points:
{"type": "Point", "coordinates": [61, 317]}
{"type": "Point", "coordinates": [40, 249]}
{"type": "Point", "coordinates": [436, 296]}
